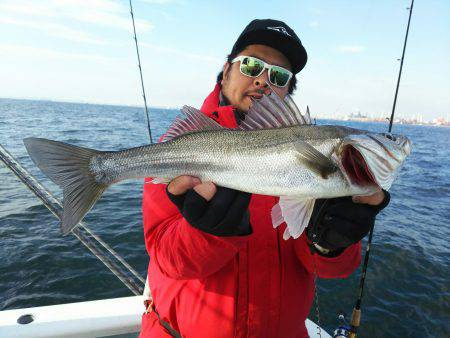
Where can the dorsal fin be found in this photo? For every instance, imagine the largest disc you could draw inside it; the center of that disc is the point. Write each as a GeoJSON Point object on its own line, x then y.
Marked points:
{"type": "Point", "coordinates": [296, 111]}
{"type": "Point", "coordinates": [188, 121]}
{"type": "Point", "coordinates": [273, 112]}
{"type": "Point", "coordinates": [308, 116]}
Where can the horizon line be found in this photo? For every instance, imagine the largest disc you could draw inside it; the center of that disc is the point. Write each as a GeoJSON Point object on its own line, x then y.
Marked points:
{"type": "Point", "coordinates": [336, 115]}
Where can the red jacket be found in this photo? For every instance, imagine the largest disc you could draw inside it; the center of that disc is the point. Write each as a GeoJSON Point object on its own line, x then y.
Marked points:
{"type": "Point", "coordinates": [250, 286]}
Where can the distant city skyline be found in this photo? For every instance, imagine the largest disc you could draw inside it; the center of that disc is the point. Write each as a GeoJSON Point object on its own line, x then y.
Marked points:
{"type": "Point", "coordinates": [82, 51]}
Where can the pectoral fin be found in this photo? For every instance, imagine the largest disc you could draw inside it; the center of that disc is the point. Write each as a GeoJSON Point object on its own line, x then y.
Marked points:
{"type": "Point", "coordinates": [314, 159]}
{"type": "Point", "coordinates": [295, 212]}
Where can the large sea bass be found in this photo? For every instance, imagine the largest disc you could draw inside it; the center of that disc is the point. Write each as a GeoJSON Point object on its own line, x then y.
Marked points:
{"type": "Point", "coordinates": [276, 151]}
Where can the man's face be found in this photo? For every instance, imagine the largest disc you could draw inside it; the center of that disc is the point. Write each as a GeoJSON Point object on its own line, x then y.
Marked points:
{"type": "Point", "coordinates": [239, 88]}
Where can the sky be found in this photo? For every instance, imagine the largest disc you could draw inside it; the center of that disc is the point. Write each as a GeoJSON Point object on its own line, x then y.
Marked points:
{"type": "Point", "coordinates": [83, 51]}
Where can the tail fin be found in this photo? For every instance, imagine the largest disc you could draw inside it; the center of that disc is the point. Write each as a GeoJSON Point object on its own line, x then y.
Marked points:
{"type": "Point", "coordinates": [68, 167]}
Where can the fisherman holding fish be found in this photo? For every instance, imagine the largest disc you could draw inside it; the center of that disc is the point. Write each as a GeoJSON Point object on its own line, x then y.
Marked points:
{"type": "Point", "coordinates": [218, 268]}
{"type": "Point", "coordinates": [245, 201]}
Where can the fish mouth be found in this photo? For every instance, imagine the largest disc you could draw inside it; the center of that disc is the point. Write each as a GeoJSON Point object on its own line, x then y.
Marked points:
{"type": "Point", "coordinates": [356, 167]}
{"type": "Point", "coordinates": [373, 159]}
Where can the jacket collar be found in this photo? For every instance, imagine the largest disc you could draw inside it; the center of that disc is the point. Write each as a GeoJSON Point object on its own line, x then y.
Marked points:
{"type": "Point", "coordinates": [224, 115]}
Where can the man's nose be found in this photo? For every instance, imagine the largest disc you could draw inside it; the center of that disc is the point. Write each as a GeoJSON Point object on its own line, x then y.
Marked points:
{"type": "Point", "coordinates": [261, 82]}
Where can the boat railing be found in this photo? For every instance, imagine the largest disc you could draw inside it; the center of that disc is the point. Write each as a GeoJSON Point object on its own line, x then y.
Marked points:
{"type": "Point", "coordinates": [110, 258]}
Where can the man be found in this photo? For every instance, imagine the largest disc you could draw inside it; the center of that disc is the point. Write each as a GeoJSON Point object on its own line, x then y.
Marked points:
{"type": "Point", "coordinates": [218, 268]}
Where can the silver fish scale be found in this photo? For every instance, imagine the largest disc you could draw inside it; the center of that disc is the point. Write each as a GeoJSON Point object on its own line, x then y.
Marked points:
{"type": "Point", "coordinates": [260, 161]}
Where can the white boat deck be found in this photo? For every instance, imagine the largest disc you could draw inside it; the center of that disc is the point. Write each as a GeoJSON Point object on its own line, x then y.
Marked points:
{"type": "Point", "coordinates": [101, 318]}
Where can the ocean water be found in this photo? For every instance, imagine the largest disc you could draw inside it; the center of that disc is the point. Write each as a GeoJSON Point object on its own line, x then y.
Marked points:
{"type": "Point", "coordinates": [408, 280]}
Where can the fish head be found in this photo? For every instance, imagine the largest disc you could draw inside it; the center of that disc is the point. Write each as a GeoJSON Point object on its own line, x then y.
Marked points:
{"type": "Point", "coordinates": [373, 158]}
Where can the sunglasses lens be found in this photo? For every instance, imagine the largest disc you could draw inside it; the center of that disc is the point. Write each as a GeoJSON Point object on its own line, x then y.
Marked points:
{"type": "Point", "coordinates": [251, 67]}
{"type": "Point", "coordinates": [279, 76]}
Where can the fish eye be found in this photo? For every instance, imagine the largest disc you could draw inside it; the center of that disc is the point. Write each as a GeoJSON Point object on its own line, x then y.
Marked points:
{"type": "Point", "coordinates": [390, 136]}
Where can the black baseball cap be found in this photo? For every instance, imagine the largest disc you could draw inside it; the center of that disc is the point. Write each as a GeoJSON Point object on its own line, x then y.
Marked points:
{"type": "Point", "coordinates": [275, 34]}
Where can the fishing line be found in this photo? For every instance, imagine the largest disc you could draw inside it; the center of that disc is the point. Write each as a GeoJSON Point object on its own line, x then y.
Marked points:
{"type": "Point", "coordinates": [140, 73]}
{"type": "Point", "coordinates": [314, 240]}
{"type": "Point", "coordinates": [356, 314]}
{"type": "Point", "coordinates": [316, 298]}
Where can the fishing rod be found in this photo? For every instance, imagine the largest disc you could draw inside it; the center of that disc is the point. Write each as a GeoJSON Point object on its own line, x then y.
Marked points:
{"type": "Point", "coordinates": [140, 73]}
{"type": "Point", "coordinates": [112, 260]}
{"type": "Point", "coordinates": [356, 314]}
{"type": "Point", "coordinates": [391, 120]}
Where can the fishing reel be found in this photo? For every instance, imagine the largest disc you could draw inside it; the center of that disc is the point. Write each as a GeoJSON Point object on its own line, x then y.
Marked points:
{"type": "Point", "coordinates": [343, 330]}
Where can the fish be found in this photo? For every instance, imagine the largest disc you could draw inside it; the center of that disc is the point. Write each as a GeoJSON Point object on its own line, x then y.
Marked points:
{"type": "Point", "coordinates": [275, 151]}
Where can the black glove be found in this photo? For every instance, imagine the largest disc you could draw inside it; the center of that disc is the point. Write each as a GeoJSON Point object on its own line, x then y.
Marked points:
{"type": "Point", "coordinates": [337, 223]}
{"type": "Point", "coordinates": [226, 214]}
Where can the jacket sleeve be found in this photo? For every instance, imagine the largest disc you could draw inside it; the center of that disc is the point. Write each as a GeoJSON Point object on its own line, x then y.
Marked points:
{"type": "Point", "coordinates": [328, 267]}
{"type": "Point", "coordinates": [179, 250]}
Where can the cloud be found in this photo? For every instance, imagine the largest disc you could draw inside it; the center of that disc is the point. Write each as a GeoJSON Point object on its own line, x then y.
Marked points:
{"type": "Point", "coordinates": [60, 17]}
{"type": "Point", "coordinates": [55, 29]}
{"type": "Point", "coordinates": [178, 52]}
{"type": "Point", "coordinates": [102, 12]}
{"type": "Point", "coordinates": [20, 50]}
{"type": "Point", "coordinates": [351, 49]}
{"type": "Point", "coordinates": [163, 2]}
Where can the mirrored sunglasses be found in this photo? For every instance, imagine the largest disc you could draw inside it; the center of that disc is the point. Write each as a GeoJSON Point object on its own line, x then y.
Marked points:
{"type": "Point", "coordinates": [254, 67]}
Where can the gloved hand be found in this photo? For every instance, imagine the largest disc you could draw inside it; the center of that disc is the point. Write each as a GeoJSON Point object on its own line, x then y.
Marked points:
{"type": "Point", "coordinates": [226, 214]}
{"type": "Point", "coordinates": [337, 223]}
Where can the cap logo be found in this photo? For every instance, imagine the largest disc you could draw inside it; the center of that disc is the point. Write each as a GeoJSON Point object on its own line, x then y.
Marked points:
{"type": "Point", "coordinates": [280, 29]}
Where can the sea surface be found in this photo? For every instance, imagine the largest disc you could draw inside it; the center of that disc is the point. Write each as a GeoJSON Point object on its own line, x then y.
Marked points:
{"type": "Point", "coordinates": [408, 280]}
